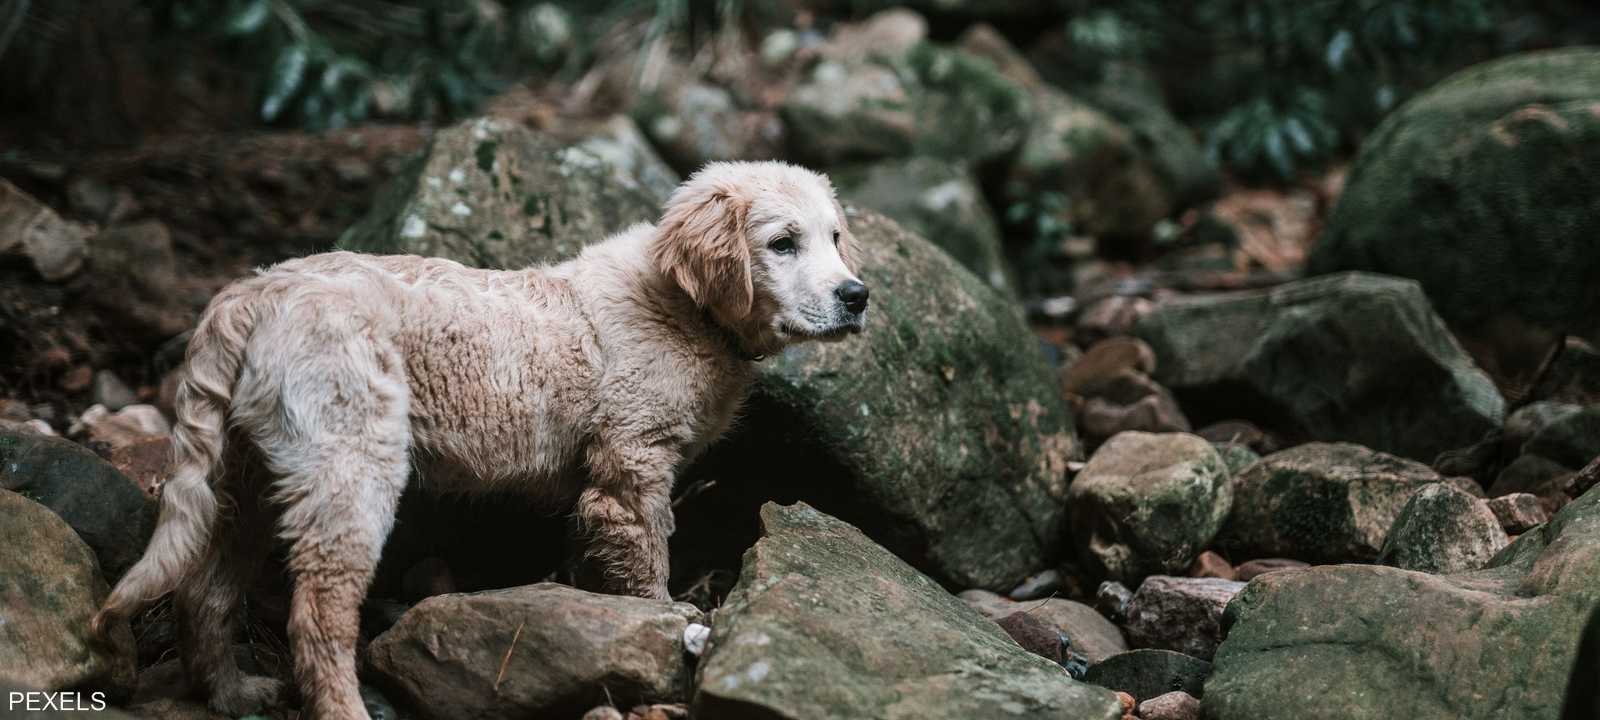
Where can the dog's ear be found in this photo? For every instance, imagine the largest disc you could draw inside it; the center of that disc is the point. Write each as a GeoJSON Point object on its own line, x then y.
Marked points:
{"type": "Point", "coordinates": [700, 243]}
{"type": "Point", "coordinates": [849, 249]}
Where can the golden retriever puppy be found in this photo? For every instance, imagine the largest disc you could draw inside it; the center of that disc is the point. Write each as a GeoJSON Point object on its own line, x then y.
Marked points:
{"type": "Point", "coordinates": [591, 382]}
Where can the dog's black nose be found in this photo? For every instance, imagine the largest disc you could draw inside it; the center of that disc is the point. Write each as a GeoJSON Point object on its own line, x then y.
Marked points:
{"type": "Point", "coordinates": [853, 294]}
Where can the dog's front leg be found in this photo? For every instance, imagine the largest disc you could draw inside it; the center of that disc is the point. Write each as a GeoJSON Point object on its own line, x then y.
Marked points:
{"type": "Point", "coordinates": [625, 514]}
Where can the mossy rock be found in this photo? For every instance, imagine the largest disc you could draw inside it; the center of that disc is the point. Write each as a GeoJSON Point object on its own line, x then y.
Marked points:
{"type": "Point", "coordinates": [488, 193]}
{"type": "Point", "coordinates": [937, 199]}
{"type": "Point", "coordinates": [1350, 357]}
{"type": "Point", "coordinates": [1443, 530]}
{"type": "Point", "coordinates": [883, 105]}
{"type": "Point", "coordinates": [1486, 189]}
{"type": "Point", "coordinates": [939, 431]}
{"type": "Point", "coordinates": [826, 624]}
{"type": "Point", "coordinates": [1369, 643]}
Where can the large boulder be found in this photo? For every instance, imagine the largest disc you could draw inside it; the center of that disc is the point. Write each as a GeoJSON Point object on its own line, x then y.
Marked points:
{"type": "Point", "coordinates": [109, 511]}
{"type": "Point", "coordinates": [939, 431]}
{"type": "Point", "coordinates": [1367, 642]}
{"type": "Point", "coordinates": [1348, 357]}
{"type": "Point", "coordinates": [533, 651]}
{"type": "Point", "coordinates": [1443, 530]}
{"type": "Point", "coordinates": [937, 199]}
{"type": "Point", "coordinates": [826, 624]}
{"type": "Point", "coordinates": [1147, 504]}
{"type": "Point", "coordinates": [1320, 502]}
{"type": "Point", "coordinates": [489, 193]}
{"type": "Point", "coordinates": [874, 88]}
{"type": "Point", "coordinates": [50, 585]}
{"type": "Point", "coordinates": [1485, 188]}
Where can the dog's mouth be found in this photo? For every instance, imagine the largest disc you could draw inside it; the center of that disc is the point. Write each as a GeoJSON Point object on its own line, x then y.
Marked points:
{"type": "Point", "coordinates": [832, 332]}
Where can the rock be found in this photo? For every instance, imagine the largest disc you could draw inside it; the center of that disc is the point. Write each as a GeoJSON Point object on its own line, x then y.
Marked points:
{"type": "Point", "coordinates": [1482, 189]}
{"type": "Point", "coordinates": [1572, 439]}
{"type": "Point", "coordinates": [1087, 631]}
{"type": "Point", "coordinates": [632, 161]}
{"type": "Point", "coordinates": [55, 247]}
{"type": "Point", "coordinates": [1239, 432]}
{"type": "Point", "coordinates": [137, 287]}
{"type": "Point", "coordinates": [130, 425]}
{"type": "Point", "coordinates": [1147, 504]}
{"type": "Point", "coordinates": [1320, 502]}
{"type": "Point", "coordinates": [873, 88]}
{"type": "Point", "coordinates": [697, 122]}
{"type": "Point", "coordinates": [536, 650]}
{"type": "Point", "coordinates": [1034, 635]}
{"type": "Point", "coordinates": [488, 193]}
{"type": "Point", "coordinates": [1252, 569]}
{"type": "Point", "coordinates": [1106, 367]}
{"type": "Point", "coordinates": [939, 431]}
{"type": "Point", "coordinates": [1499, 642]}
{"type": "Point", "coordinates": [1155, 413]}
{"type": "Point", "coordinates": [1348, 357]}
{"type": "Point", "coordinates": [1211, 565]}
{"type": "Point", "coordinates": [110, 391]}
{"type": "Point", "coordinates": [801, 636]}
{"type": "Point", "coordinates": [1110, 317]}
{"type": "Point", "coordinates": [109, 512]}
{"type": "Point", "coordinates": [1148, 673]}
{"type": "Point", "coordinates": [1443, 530]}
{"type": "Point", "coordinates": [603, 712]}
{"type": "Point", "coordinates": [659, 711]}
{"type": "Point", "coordinates": [1541, 477]}
{"type": "Point", "coordinates": [148, 462]}
{"type": "Point", "coordinates": [1528, 420]}
{"type": "Point", "coordinates": [937, 199]}
{"type": "Point", "coordinates": [50, 586]}
{"type": "Point", "coordinates": [1045, 583]}
{"type": "Point", "coordinates": [1237, 456]}
{"type": "Point", "coordinates": [1177, 705]}
{"type": "Point", "coordinates": [1112, 599]}
{"type": "Point", "coordinates": [1518, 512]}
{"type": "Point", "coordinates": [1180, 614]}
{"type": "Point", "coordinates": [1574, 375]}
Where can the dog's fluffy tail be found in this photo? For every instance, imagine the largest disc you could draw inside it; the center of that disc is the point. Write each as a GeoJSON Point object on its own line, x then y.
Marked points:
{"type": "Point", "coordinates": [189, 505]}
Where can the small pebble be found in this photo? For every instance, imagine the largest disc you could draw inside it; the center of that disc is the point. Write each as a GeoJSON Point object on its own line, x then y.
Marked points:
{"type": "Point", "coordinates": [1111, 599]}
{"type": "Point", "coordinates": [694, 638]}
{"type": "Point", "coordinates": [1177, 705]}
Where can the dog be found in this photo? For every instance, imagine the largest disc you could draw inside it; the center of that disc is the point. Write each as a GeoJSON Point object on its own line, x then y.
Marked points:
{"type": "Point", "coordinates": [589, 382]}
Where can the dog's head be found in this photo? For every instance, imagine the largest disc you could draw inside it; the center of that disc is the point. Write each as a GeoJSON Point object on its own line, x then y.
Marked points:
{"type": "Point", "coordinates": [765, 248]}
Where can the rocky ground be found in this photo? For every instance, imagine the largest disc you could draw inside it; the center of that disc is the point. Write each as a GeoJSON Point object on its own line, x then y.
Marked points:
{"type": "Point", "coordinates": [1322, 452]}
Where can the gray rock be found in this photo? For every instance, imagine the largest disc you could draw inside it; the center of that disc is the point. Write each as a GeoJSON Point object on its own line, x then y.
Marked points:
{"type": "Point", "coordinates": [874, 87]}
{"type": "Point", "coordinates": [1237, 456]}
{"type": "Point", "coordinates": [538, 650]}
{"type": "Point", "coordinates": [107, 510]}
{"type": "Point", "coordinates": [55, 247]}
{"type": "Point", "coordinates": [1357, 642]}
{"type": "Point", "coordinates": [1147, 504]}
{"type": "Point", "coordinates": [698, 122]}
{"type": "Point", "coordinates": [50, 585]}
{"type": "Point", "coordinates": [110, 391]}
{"type": "Point", "coordinates": [1349, 357]}
{"type": "Point", "coordinates": [1483, 188]}
{"type": "Point", "coordinates": [826, 624]}
{"type": "Point", "coordinates": [488, 193]}
{"type": "Point", "coordinates": [939, 432]}
{"type": "Point", "coordinates": [1572, 439]}
{"type": "Point", "coordinates": [1150, 673]}
{"type": "Point", "coordinates": [1176, 705]}
{"type": "Point", "coordinates": [1541, 477]}
{"type": "Point", "coordinates": [632, 161]}
{"type": "Point", "coordinates": [1320, 502]}
{"type": "Point", "coordinates": [1087, 631]}
{"type": "Point", "coordinates": [1518, 512]}
{"type": "Point", "coordinates": [1443, 530]}
{"type": "Point", "coordinates": [1529, 419]}
{"type": "Point", "coordinates": [939, 200]}
{"type": "Point", "coordinates": [1112, 599]}
{"type": "Point", "coordinates": [1180, 613]}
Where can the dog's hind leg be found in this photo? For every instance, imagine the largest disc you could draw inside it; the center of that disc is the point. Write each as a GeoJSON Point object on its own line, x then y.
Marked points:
{"type": "Point", "coordinates": [208, 602]}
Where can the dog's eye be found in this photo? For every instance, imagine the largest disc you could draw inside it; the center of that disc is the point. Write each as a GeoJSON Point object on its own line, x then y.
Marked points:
{"type": "Point", "coordinates": [836, 237]}
{"type": "Point", "coordinates": [783, 245]}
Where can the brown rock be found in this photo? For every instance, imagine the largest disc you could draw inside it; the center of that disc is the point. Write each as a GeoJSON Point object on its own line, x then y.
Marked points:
{"type": "Point", "coordinates": [1177, 705]}
{"type": "Point", "coordinates": [1034, 635]}
{"type": "Point", "coordinates": [1111, 317]}
{"type": "Point", "coordinates": [1518, 512]}
{"type": "Point", "coordinates": [1088, 632]}
{"type": "Point", "coordinates": [674, 711]}
{"type": "Point", "coordinates": [1128, 703]}
{"type": "Point", "coordinates": [1550, 481]}
{"type": "Point", "coordinates": [1106, 362]}
{"type": "Point", "coordinates": [1251, 569]}
{"type": "Point", "coordinates": [1180, 614]}
{"type": "Point", "coordinates": [55, 246]}
{"type": "Point", "coordinates": [1211, 565]}
{"type": "Point", "coordinates": [1101, 419]}
{"type": "Point", "coordinates": [147, 462]}
{"type": "Point", "coordinates": [1239, 431]}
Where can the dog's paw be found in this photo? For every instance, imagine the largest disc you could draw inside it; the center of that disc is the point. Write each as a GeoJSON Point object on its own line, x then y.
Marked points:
{"type": "Point", "coordinates": [249, 696]}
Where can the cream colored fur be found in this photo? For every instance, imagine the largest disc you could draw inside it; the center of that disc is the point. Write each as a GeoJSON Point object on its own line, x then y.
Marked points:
{"type": "Point", "coordinates": [590, 382]}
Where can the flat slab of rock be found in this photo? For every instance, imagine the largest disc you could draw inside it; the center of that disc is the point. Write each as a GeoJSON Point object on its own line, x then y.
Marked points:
{"type": "Point", "coordinates": [50, 585]}
{"type": "Point", "coordinates": [1089, 633]}
{"type": "Point", "coordinates": [1149, 673]}
{"type": "Point", "coordinates": [1180, 613]}
{"type": "Point", "coordinates": [1348, 357]}
{"type": "Point", "coordinates": [1321, 503]}
{"type": "Point", "coordinates": [533, 651]}
{"type": "Point", "coordinates": [826, 624]}
{"type": "Point", "coordinates": [1366, 642]}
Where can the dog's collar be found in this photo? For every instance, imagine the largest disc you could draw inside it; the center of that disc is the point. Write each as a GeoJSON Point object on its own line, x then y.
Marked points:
{"type": "Point", "coordinates": [731, 339]}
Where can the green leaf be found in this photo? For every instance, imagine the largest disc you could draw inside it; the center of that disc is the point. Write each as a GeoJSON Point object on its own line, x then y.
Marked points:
{"type": "Point", "coordinates": [248, 19]}
{"type": "Point", "coordinates": [284, 79]}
